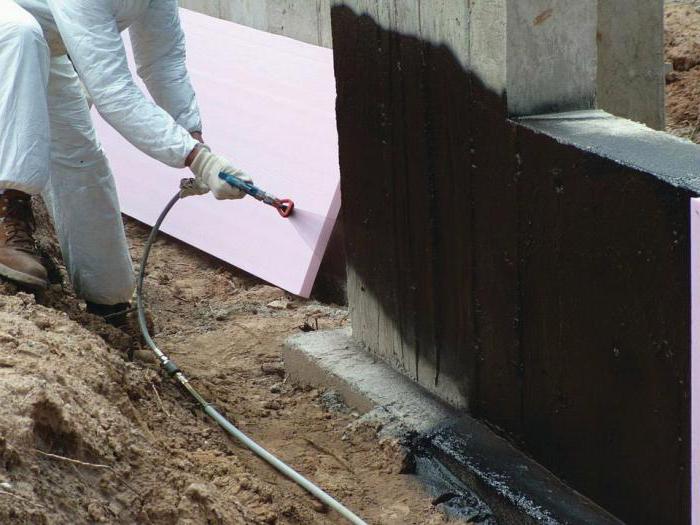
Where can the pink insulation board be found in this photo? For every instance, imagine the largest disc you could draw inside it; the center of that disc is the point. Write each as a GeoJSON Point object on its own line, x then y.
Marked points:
{"type": "Point", "coordinates": [695, 360]}
{"type": "Point", "coordinates": [267, 104]}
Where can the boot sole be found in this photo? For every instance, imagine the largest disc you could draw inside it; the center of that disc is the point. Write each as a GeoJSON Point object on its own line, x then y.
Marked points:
{"type": "Point", "coordinates": [22, 278]}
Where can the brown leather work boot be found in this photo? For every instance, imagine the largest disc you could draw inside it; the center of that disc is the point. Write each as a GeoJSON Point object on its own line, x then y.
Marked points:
{"type": "Point", "coordinates": [19, 261]}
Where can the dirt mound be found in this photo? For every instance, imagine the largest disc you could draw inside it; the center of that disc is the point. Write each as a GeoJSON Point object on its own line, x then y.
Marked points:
{"type": "Point", "coordinates": [682, 36]}
{"type": "Point", "coordinates": [72, 446]}
{"type": "Point", "coordinates": [683, 105]}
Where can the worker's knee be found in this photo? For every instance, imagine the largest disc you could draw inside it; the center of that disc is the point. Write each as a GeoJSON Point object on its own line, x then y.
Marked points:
{"type": "Point", "coordinates": [23, 31]}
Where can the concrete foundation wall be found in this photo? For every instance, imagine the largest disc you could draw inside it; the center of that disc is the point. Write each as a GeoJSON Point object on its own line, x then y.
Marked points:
{"type": "Point", "coordinates": [305, 20]}
{"type": "Point", "coordinates": [535, 276]}
{"type": "Point", "coordinates": [631, 60]}
{"type": "Point", "coordinates": [423, 68]}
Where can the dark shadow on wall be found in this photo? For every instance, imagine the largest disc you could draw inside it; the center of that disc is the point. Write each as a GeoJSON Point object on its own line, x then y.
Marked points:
{"type": "Point", "coordinates": [549, 285]}
{"type": "Point", "coordinates": [331, 281]}
{"type": "Point", "coordinates": [409, 131]}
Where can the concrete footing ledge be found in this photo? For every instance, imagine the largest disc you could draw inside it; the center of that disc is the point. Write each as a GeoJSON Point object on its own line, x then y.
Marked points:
{"type": "Point", "coordinates": [472, 472]}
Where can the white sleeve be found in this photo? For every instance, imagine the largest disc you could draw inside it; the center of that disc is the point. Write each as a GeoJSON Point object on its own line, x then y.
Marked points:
{"type": "Point", "coordinates": [159, 49]}
{"type": "Point", "coordinates": [89, 30]}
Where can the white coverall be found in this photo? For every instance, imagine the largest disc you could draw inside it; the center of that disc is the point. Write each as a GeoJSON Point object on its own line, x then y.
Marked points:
{"type": "Point", "coordinates": [48, 144]}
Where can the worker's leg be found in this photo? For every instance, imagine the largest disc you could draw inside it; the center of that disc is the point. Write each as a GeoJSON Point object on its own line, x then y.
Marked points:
{"type": "Point", "coordinates": [82, 197]}
{"type": "Point", "coordinates": [24, 128]}
{"type": "Point", "coordinates": [24, 140]}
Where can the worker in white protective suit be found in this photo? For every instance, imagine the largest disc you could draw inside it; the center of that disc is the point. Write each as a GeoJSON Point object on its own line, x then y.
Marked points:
{"type": "Point", "coordinates": [48, 145]}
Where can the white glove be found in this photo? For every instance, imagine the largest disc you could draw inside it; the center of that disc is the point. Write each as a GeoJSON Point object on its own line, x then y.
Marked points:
{"type": "Point", "coordinates": [206, 167]}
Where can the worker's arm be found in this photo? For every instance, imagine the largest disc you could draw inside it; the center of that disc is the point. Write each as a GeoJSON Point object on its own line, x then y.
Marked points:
{"type": "Point", "coordinates": [89, 31]}
{"type": "Point", "coordinates": [159, 49]}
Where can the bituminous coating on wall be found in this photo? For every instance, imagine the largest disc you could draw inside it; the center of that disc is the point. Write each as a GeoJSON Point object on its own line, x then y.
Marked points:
{"type": "Point", "coordinates": [540, 285]}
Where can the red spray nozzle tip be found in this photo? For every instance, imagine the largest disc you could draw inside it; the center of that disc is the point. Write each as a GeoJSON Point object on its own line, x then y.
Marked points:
{"type": "Point", "coordinates": [286, 207]}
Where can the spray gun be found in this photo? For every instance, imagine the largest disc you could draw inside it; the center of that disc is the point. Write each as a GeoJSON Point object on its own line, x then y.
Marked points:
{"type": "Point", "coordinates": [284, 207]}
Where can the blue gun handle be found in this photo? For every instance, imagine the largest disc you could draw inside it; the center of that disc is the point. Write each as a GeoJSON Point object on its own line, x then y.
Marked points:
{"type": "Point", "coordinates": [283, 206]}
{"type": "Point", "coordinates": [241, 185]}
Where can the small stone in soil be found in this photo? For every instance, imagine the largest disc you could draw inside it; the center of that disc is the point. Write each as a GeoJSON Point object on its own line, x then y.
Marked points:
{"type": "Point", "coordinates": [280, 304]}
{"type": "Point", "coordinates": [221, 315]}
{"type": "Point", "coordinates": [332, 401]}
{"type": "Point", "coordinates": [319, 507]}
{"type": "Point", "coordinates": [272, 369]}
{"type": "Point", "coordinates": [198, 492]}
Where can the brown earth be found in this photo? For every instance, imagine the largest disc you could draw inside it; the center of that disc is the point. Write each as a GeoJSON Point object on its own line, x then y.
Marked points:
{"type": "Point", "coordinates": [682, 36]}
{"type": "Point", "coordinates": [88, 437]}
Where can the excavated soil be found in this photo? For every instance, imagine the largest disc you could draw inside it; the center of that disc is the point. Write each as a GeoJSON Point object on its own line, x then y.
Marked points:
{"type": "Point", "coordinates": [88, 437]}
{"type": "Point", "coordinates": [682, 36]}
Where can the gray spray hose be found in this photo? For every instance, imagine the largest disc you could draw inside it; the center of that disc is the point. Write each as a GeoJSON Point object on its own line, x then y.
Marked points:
{"type": "Point", "coordinates": [173, 371]}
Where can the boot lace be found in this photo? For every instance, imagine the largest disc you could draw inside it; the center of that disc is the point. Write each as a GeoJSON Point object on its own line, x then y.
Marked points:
{"type": "Point", "coordinates": [19, 225]}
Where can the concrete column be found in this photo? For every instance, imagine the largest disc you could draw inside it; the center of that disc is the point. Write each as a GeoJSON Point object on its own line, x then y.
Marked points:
{"type": "Point", "coordinates": [251, 13]}
{"type": "Point", "coordinates": [551, 55]}
{"type": "Point", "coordinates": [400, 64]}
{"type": "Point", "coordinates": [631, 60]}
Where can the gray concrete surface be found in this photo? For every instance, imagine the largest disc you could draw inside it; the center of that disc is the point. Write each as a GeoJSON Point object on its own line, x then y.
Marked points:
{"type": "Point", "coordinates": [671, 159]}
{"type": "Point", "coordinates": [333, 359]}
{"type": "Point", "coordinates": [516, 489]}
{"type": "Point", "coordinates": [488, 43]}
{"type": "Point", "coordinates": [631, 78]}
{"type": "Point", "coordinates": [551, 55]}
{"type": "Point", "coordinates": [305, 20]}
